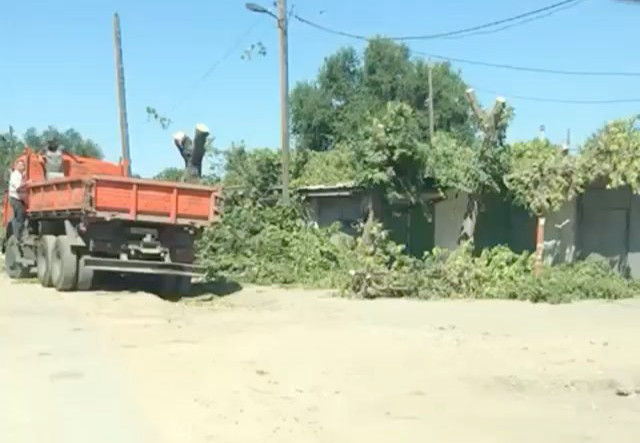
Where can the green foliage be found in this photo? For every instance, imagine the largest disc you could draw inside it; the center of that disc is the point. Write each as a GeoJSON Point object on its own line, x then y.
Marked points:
{"type": "Point", "coordinates": [170, 174]}
{"type": "Point", "coordinates": [10, 147]}
{"type": "Point", "coordinates": [154, 115]}
{"type": "Point", "coordinates": [541, 177]}
{"type": "Point", "coordinates": [312, 117]}
{"type": "Point", "coordinates": [613, 154]}
{"type": "Point", "coordinates": [456, 163]}
{"type": "Point", "coordinates": [496, 273]}
{"type": "Point", "coordinates": [321, 168]}
{"type": "Point", "coordinates": [256, 172]}
{"type": "Point", "coordinates": [257, 48]}
{"type": "Point", "coordinates": [389, 155]}
{"type": "Point", "coordinates": [349, 90]}
{"type": "Point", "coordinates": [69, 140]}
{"type": "Point", "coordinates": [265, 244]}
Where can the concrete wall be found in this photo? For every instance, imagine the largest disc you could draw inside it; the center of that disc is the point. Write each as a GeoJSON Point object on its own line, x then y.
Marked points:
{"type": "Point", "coordinates": [448, 215]}
{"type": "Point", "coordinates": [560, 234]}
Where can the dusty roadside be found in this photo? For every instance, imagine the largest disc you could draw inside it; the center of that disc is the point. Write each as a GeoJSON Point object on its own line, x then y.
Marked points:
{"type": "Point", "coordinates": [270, 365]}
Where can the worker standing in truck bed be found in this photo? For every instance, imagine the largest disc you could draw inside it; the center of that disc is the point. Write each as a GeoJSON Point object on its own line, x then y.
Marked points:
{"type": "Point", "coordinates": [52, 159]}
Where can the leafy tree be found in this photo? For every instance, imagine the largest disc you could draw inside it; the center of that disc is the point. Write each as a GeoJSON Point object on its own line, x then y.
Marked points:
{"type": "Point", "coordinates": [321, 168]}
{"type": "Point", "coordinates": [389, 156]}
{"type": "Point", "coordinates": [489, 155]}
{"type": "Point", "coordinates": [456, 163]}
{"type": "Point", "coordinates": [542, 178]}
{"type": "Point", "coordinates": [613, 154]}
{"type": "Point", "coordinates": [256, 172]}
{"type": "Point", "coordinates": [349, 90]}
{"type": "Point", "coordinates": [70, 140]}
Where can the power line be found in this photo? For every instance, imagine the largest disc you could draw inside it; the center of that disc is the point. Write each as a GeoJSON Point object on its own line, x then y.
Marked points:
{"type": "Point", "coordinates": [551, 9]}
{"type": "Point", "coordinates": [530, 69]}
{"type": "Point", "coordinates": [562, 101]}
{"type": "Point", "coordinates": [522, 18]}
{"type": "Point", "coordinates": [234, 46]}
{"type": "Point", "coordinates": [519, 23]}
{"type": "Point", "coordinates": [478, 62]}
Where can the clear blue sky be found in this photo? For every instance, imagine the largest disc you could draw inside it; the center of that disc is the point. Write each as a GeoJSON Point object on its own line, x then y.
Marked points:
{"type": "Point", "coordinates": [57, 63]}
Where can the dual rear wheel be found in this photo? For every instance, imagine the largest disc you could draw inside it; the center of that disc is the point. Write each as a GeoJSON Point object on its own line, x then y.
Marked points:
{"type": "Point", "coordinates": [60, 267]}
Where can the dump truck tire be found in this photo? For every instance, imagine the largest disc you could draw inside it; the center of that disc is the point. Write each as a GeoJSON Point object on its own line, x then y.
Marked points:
{"type": "Point", "coordinates": [13, 255]}
{"type": "Point", "coordinates": [85, 276]}
{"type": "Point", "coordinates": [46, 246]}
{"type": "Point", "coordinates": [65, 265]}
{"type": "Point", "coordinates": [174, 287]}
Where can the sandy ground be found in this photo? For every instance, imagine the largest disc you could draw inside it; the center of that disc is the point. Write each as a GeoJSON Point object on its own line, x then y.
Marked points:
{"type": "Point", "coordinates": [266, 365]}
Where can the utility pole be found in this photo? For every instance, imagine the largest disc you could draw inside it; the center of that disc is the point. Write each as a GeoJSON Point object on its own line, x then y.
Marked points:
{"type": "Point", "coordinates": [431, 117]}
{"type": "Point", "coordinates": [283, 26]}
{"type": "Point", "coordinates": [122, 101]}
{"type": "Point", "coordinates": [567, 143]}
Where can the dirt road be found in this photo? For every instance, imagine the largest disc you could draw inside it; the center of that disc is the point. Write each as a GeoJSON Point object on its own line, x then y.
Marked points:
{"type": "Point", "coordinates": [293, 366]}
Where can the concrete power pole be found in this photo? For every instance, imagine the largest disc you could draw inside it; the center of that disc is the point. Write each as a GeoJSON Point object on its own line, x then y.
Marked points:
{"type": "Point", "coordinates": [431, 112]}
{"type": "Point", "coordinates": [283, 25]}
{"type": "Point", "coordinates": [122, 101]}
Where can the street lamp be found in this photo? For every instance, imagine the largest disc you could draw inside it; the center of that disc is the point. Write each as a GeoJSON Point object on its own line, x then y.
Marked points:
{"type": "Point", "coordinates": [281, 18]}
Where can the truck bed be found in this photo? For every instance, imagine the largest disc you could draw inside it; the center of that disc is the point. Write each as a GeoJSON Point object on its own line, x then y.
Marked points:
{"type": "Point", "coordinates": [112, 197]}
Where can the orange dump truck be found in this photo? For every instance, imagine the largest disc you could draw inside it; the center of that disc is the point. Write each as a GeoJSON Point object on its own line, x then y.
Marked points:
{"type": "Point", "coordinates": [95, 219]}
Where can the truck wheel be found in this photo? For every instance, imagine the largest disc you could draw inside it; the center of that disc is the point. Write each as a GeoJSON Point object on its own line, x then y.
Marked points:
{"type": "Point", "coordinates": [45, 260]}
{"type": "Point", "coordinates": [85, 276]}
{"type": "Point", "coordinates": [12, 264]}
{"type": "Point", "coordinates": [175, 287]}
{"type": "Point", "coordinates": [183, 286]}
{"type": "Point", "coordinates": [65, 265]}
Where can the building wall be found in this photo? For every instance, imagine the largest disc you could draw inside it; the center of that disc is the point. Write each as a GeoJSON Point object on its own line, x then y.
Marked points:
{"type": "Point", "coordinates": [346, 210]}
{"type": "Point", "coordinates": [560, 234]}
{"type": "Point", "coordinates": [448, 215]}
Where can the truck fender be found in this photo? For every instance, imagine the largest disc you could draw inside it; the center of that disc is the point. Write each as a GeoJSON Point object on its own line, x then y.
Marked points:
{"type": "Point", "coordinates": [73, 236]}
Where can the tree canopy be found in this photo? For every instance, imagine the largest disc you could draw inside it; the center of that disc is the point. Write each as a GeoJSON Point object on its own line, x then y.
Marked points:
{"type": "Point", "coordinates": [69, 140]}
{"type": "Point", "coordinates": [613, 154]}
{"type": "Point", "coordinates": [11, 145]}
{"type": "Point", "coordinates": [349, 89]}
{"type": "Point", "coordinates": [541, 177]}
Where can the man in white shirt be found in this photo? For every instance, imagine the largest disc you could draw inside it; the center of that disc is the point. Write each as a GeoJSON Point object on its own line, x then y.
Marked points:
{"type": "Point", "coordinates": [17, 197]}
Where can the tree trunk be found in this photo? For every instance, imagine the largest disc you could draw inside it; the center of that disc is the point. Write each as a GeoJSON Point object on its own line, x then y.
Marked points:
{"type": "Point", "coordinates": [468, 230]}
{"type": "Point", "coordinates": [537, 270]}
{"type": "Point", "coordinates": [192, 151]}
{"type": "Point", "coordinates": [199, 141]}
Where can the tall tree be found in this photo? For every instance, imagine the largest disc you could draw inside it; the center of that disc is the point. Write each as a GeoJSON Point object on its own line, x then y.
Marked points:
{"type": "Point", "coordinates": [388, 157]}
{"type": "Point", "coordinates": [349, 90]}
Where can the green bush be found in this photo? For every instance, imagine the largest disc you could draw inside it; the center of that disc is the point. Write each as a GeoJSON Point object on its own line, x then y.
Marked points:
{"type": "Point", "coordinates": [273, 244]}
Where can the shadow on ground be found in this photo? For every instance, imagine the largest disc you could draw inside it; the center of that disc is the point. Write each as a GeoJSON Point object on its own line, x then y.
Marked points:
{"type": "Point", "coordinates": [136, 284]}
